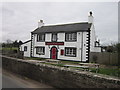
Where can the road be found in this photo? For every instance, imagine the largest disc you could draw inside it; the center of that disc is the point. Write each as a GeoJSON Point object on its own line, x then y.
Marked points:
{"type": "Point", "coordinates": [11, 80]}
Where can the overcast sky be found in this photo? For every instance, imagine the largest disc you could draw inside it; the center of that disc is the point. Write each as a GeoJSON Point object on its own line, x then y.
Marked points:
{"type": "Point", "coordinates": [20, 18]}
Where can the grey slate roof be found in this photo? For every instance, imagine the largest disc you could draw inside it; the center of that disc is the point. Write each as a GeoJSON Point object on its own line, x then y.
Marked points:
{"type": "Point", "coordinates": [27, 41]}
{"type": "Point", "coordinates": [73, 27]}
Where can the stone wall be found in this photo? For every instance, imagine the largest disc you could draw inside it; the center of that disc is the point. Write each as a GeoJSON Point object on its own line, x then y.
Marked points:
{"type": "Point", "coordinates": [59, 77]}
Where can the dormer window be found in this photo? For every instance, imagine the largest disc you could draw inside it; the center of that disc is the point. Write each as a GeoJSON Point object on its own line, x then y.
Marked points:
{"type": "Point", "coordinates": [40, 37]}
{"type": "Point", "coordinates": [54, 37]}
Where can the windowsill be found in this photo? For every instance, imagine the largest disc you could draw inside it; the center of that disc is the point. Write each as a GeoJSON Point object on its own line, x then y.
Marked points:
{"type": "Point", "coordinates": [53, 41]}
{"type": "Point", "coordinates": [40, 41]}
{"type": "Point", "coordinates": [40, 54]}
{"type": "Point", "coordinates": [70, 55]}
{"type": "Point", "coordinates": [71, 41]}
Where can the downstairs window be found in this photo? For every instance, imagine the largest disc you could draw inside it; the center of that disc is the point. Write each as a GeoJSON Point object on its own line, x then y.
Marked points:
{"type": "Point", "coordinates": [70, 51]}
{"type": "Point", "coordinates": [40, 50]}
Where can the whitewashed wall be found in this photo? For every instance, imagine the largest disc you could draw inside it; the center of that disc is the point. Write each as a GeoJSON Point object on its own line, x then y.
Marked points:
{"type": "Point", "coordinates": [80, 44]}
{"type": "Point", "coordinates": [61, 38]}
{"type": "Point", "coordinates": [26, 53]}
{"type": "Point", "coordinates": [92, 42]}
{"type": "Point", "coordinates": [97, 49]}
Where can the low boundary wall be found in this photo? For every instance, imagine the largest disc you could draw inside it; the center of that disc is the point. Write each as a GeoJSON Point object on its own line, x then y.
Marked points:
{"type": "Point", "coordinates": [59, 77]}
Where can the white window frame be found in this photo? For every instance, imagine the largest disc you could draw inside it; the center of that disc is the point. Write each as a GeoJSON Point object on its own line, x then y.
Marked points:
{"type": "Point", "coordinates": [40, 37]}
{"type": "Point", "coordinates": [40, 50]}
{"type": "Point", "coordinates": [54, 37]}
{"type": "Point", "coordinates": [70, 51]}
{"type": "Point", "coordinates": [25, 48]}
{"type": "Point", "coordinates": [71, 36]}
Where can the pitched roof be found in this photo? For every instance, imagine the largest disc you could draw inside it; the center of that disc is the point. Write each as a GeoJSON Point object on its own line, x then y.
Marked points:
{"type": "Point", "coordinates": [27, 41]}
{"type": "Point", "coordinates": [73, 27]}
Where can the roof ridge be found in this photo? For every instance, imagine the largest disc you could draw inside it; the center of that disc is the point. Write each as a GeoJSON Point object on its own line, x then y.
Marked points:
{"type": "Point", "coordinates": [66, 24]}
{"type": "Point", "coordinates": [79, 26]}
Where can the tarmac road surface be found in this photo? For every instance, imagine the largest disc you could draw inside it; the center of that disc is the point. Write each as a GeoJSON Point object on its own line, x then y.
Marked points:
{"type": "Point", "coordinates": [11, 80]}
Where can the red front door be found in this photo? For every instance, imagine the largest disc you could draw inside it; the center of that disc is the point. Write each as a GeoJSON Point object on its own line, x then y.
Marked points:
{"type": "Point", "coordinates": [54, 53]}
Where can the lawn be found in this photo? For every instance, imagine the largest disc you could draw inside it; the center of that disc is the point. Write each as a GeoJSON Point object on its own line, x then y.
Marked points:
{"type": "Point", "coordinates": [70, 62]}
{"type": "Point", "coordinates": [105, 71]}
{"type": "Point", "coordinates": [34, 58]}
{"type": "Point", "coordinates": [111, 72]}
{"type": "Point", "coordinates": [7, 48]}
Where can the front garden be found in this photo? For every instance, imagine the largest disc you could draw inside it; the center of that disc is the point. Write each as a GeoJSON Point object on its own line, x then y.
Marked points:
{"type": "Point", "coordinates": [103, 69]}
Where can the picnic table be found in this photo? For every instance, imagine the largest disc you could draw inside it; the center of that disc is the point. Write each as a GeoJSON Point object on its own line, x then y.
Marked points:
{"type": "Point", "coordinates": [85, 68]}
{"type": "Point", "coordinates": [35, 61]}
{"type": "Point", "coordinates": [51, 60]}
{"type": "Point", "coordinates": [96, 66]}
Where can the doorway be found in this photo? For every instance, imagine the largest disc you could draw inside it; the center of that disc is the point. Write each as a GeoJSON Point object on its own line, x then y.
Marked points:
{"type": "Point", "coordinates": [54, 53]}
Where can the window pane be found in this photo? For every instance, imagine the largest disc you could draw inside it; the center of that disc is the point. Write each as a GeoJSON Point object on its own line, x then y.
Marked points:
{"type": "Point", "coordinates": [67, 37]}
{"type": "Point", "coordinates": [25, 48]}
{"type": "Point", "coordinates": [40, 50]}
{"type": "Point", "coordinates": [71, 37]}
{"type": "Point", "coordinates": [40, 37]}
{"type": "Point", "coordinates": [70, 51]}
{"type": "Point", "coordinates": [54, 37]}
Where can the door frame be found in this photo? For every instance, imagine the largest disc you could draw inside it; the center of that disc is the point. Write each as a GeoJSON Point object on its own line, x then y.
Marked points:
{"type": "Point", "coordinates": [51, 52]}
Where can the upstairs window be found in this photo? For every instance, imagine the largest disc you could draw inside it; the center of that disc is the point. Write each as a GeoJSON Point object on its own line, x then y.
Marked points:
{"type": "Point", "coordinates": [25, 48]}
{"type": "Point", "coordinates": [71, 37]}
{"type": "Point", "coordinates": [40, 50]}
{"type": "Point", "coordinates": [69, 51]}
{"type": "Point", "coordinates": [40, 37]}
{"type": "Point", "coordinates": [54, 37]}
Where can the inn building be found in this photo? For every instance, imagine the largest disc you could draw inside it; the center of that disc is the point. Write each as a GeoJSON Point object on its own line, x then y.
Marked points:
{"type": "Point", "coordinates": [72, 41]}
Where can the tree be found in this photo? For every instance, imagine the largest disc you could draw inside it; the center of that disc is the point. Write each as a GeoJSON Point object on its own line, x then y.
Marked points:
{"type": "Point", "coordinates": [118, 47]}
{"type": "Point", "coordinates": [3, 44]}
{"type": "Point", "coordinates": [110, 49]}
{"type": "Point", "coordinates": [8, 41]}
{"type": "Point", "coordinates": [118, 50]}
{"type": "Point", "coordinates": [20, 42]}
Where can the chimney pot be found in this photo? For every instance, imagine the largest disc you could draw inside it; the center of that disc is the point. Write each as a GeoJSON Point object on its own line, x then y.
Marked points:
{"type": "Point", "coordinates": [90, 18]}
{"type": "Point", "coordinates": [90, 13]}
{"type": "Point", "coordinates": [40, 23]}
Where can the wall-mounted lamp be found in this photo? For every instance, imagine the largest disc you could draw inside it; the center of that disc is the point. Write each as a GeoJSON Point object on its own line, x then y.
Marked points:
{"type": "Point", "coordinates": [49, 46]}
{"type": "Point", "coordinates": [58, 46]}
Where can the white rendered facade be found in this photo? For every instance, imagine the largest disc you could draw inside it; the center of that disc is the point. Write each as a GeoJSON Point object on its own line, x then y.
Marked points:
{"type": "Point", "coordinates": [28, 46]}
{"type": "Point", "coordinates": [84, 43]}
{"type": "Point", "coordinates": [81, 39]}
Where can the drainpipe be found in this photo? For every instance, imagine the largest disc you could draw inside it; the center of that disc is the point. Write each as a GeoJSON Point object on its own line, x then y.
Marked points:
{"type": "Point", "coordinates": [82, 48]}
{"type": "Point", "coordinates": [31, 44]}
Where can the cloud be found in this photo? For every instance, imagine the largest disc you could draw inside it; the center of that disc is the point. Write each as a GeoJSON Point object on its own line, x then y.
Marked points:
{"type": "Point", "coordinates": [20, 18]}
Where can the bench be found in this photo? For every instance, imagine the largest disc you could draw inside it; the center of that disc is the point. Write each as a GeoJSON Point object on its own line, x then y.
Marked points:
{"type": "Point", "coordinates": [96, 66]}
{"type": "Point", "coordinates": [85, 68]}
{"type": "Point", "coordinates": [51, 60]}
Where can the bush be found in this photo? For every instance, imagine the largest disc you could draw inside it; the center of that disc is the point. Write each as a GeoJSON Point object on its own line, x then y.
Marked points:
{"type": "Point", "coordinates": [94, 58]}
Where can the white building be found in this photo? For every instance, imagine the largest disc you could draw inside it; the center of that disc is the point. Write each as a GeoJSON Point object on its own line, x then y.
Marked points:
{"type": "Point", "coordinates": [72, 41]}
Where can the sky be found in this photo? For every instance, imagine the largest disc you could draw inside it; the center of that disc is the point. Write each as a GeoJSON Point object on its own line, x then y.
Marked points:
{"type": "Point", "coordinates": [19, 19]}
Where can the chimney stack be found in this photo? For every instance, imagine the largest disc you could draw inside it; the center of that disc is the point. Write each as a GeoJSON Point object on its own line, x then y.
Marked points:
{"type": "Point", "coordinates": [40, 23]}
{"type": "Point", "coordinates": [90, 18]}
